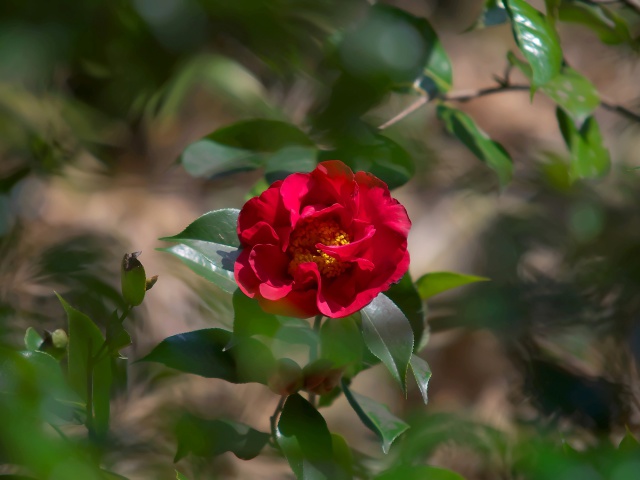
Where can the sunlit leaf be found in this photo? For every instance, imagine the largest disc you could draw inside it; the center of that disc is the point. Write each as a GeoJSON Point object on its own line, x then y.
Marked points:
{"type": "Point", "coordinates": [537, 40]}
{"type": "Point", "coordinates": [418, 472]}
{"type": "Point", "coordinates": [32, 339]}
{"type": "Point", "coordinates": [208, 438]}
{"type": "Point", "coordinates": [589, 156]}
{"type": "Point", "coordinates": [306, 442]}
{"type": "Point", "coordinates": [388, 335]}
{"type": "Point", "coordinates": [433, 283]}
{"type": "Point", "coordinates": [422, 374]}
{"type": "Point", "coordinates": [490, 152]}
{"type": "Point", "coordinates": [376, 417]}
{"type": "Point", "coordinates": [218, 226]}
{"type": "Point", "coordinates": [85, 341]}
{"type": "Point", "coordinates": [572, 91]}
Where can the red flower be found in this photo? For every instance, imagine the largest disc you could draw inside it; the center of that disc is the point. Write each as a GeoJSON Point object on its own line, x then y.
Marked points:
{"type": "Point", "coordinates": [325, 242]}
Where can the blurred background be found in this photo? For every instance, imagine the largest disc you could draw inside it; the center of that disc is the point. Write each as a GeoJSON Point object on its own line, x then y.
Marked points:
{"type": "Point", "coordinates": [99, 99]}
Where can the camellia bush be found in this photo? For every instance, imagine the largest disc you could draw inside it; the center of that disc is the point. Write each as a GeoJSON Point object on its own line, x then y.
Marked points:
{"type": "Point", "coordinates": [316, 261]}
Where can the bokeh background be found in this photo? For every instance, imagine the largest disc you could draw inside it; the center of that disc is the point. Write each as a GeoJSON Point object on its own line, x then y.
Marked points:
{"type": "Point", "coordinates": [98, 100]}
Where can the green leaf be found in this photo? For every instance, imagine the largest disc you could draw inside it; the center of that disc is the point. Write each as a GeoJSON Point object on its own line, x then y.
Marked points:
{"type": "Point", "coordinates": [85, 340]}
{"type": "Point", "coordinates": [437, 77]}
{"type": "Point", "coordinates": [418, 472]}
{"type": "Point", "coordinates": [376, 417]}
{"type": "Point", "coordinates": [536, 39]}
{"type": "Point", "coordinates": [208, 438]}
{"type": "Point", "coordinates": [388, 335]}
{"type": "Point", "coordinates": [589, 157]}
{"type": "Point", "coordinates": [493, 13]}
{"type": "Point", "coordinates": [250, 319]}
{"type": "Point", "coordinates": [180, 476]}
{"type": "Point", "coordinates": [378, 155]}
{"type": "Point", "coordinates": [610, 27]}
{"type": "Point", "coordinates": [306, 442]}
{"type": "Point", "coordinates": [217, 226]}
{"type": "Point", "coordinates": [245, 145]}
{"type": "Point", "coordinates": [341, 342]}
{"type": "Point", "coordinates": [117, 336]}
{"type": "Point", "coordinates": [434, 283]}
{"type": "Point", "coordinates": [490, 152]}
{"type": "Point", "coordinates": [573, 92]}
{"type": "Point", "coordinates": [406, 297]}
{"type": "Point", "coordinates": [422, 373]}
{"type": "Point", "coordinates": [133, 279]}
{"type": "Point", "coordinates": [342, 454]}
{"type": "Point", "coordinates": [205, 353]}
{"type": "Point", "coordinates": [289, 160]}
{"type": "Point", "coordinates": [629, 443]}
{"type": "Point", "coordinates": [32, 339]}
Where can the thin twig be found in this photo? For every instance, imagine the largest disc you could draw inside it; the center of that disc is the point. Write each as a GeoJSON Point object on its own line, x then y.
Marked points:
{"type": "Point", "coordinates": [89, 406]}
{"type": "Point", "coordinates": [423, 100]}
{"type": "Point", "coordinates": [465, 96]}
{"type": "Point", "coordinates": [619, 109]}
{"type": "Point", "coordinates": [313, 352]}
{"type": "Point", "coordinates": [274, 419]}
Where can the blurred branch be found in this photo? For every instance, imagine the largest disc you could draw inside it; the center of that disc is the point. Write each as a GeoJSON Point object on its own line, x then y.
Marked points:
{"type": "Point", "coordinates": [423, 100]}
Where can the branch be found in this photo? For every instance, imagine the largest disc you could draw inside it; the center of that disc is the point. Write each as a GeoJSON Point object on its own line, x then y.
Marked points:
{"type": "Point", "coordinates": [619, 109]}
{"type": "Point", "coordinates": [473, 94]}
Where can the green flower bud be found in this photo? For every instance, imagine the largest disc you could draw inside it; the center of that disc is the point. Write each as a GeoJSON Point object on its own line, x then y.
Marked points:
{"type": "Point", "coordinates": [133, 279]}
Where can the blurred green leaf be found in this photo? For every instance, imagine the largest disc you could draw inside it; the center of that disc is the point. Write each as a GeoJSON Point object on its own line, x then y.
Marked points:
{"type": "Point", "coordinates": [418, 472]}
{"type": "Point", "coordinates": [250, 319]}
{"type": "Point", "coordinates": [209, 247]}
{"type": "Point", "coordinates": [573, 92]}
{"type": "Point", "coordinates": [378, 155]}
{"type": "Point", "coordinates": [431, 284]}
{"type": "Point", "coordinates": [610, 27]}
{"type": "Point", "coordinates": [248, 145]}
{"type": "Point", "coordinates": [206, 353]}
{"type": "Point", "coordinates": [342, 454]}
{"type": "Point", "coordinates": [536, 39]}
{"type": "Point", "coordinates": [629, 443]}
{"type": "Point", "coordinates": [493, 13]}
{"type": "Point", "coordinates": [208, 438]}
{"type": "Point", "coordinates": [289, 160]}
{"type": "Point", "coordinates": [376, 417]}
{"type": "Point", "coordinates": [133, 279]}
{"type": "Point", "coordinates": [388, 335]}
{"type": "Point", "coordinates": [589, 156]}
{"type": "Point", "coordinates": [341, 342]}
{"type": "Point", "coordinates": [422, 374]}
{"type": "Point", "coordinates": [406, 297]}
{"type": "Point", "coordinates": [180, 476]}
{"type": "Point", "coordinates": [437, 77]}
{"type": "Point", "coordinates": [32, 339]}
{"type": "Point", "coordinates": [117, 336]}
{"type": "Point", "coordinates": [85, 340]}
{"type": "Point", "coordinates": [305, 440]}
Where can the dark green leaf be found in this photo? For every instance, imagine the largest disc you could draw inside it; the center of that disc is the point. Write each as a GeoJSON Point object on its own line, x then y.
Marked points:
{"type": "Point", "coordinates": [589, 157]}
{"type": "Point", "coordinates": [208, 438]}
{"type": "Point", "coordinates": [376, 417]}
{"type": "Point", "coordinates": [378, 155]}
{"type": "Point", "coordinates": [205, 353]}
{"type": "Point", "coordinates": [437, 77]}
{"type": "Point", "coordinates": [419, 472]}
{"type": "Point", "coordinates": [85, 340]}
{"type": "Point", "coordinates": [537, 40]}
{"type": "Point", "coordinates": [341, 342]}
{"type": "Point", "coordinates": [629, 443]}
{"type": "Point", "coordinates": [493, 13]}
{"type": "Point", "coordinates": [133, 279]}
{"type": "Point", "coordinates": [388, 335]}
{"type": "Point", "coordinates": [218, 226]}
{"type": "Point", "coordinates": [610, 27]}
{"type": "Point", "coordinates": [342, 454]}
{"type": "Point", "coordinates": [434, 283]}
{"type": "Point", "coordinates": [305, 440]}
{"type": "Point", "coordinates": [289, 160]}
{"type": "Point", "coordinates": [32, 339]}
{"type": "Point", "coordinates": [573, 92]}
{"type": "Point", "coordinates": [490, 152]}
{"type": "Point", "coordinates": [207, 158]}
{"type": "Point", "coordinates": [422, 373]}
{"type": "Point", "coordinates": [405, 295]}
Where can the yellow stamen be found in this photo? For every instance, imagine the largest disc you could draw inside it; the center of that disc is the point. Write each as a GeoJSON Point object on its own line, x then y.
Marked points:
{"type": "Point", "coordinates": [302, 246]}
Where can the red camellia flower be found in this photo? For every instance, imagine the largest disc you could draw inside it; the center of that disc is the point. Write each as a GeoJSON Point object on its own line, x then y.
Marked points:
{"type": "Point", "coordinates": [325, 242]}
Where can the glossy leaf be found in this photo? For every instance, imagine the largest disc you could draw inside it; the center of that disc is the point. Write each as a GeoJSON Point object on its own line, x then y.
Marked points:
{"type": "Point", "coordinates": [32, 339]}
{"type": "Point", "coordinates": [205, 353]}
{"type": "Point", "coordinates": [406, 297]}
{"type": "Point", "coordinates": [490, 152]}
{"type": "Point", "coordinates": [242, 146]}
{"type": "Point", "coordinates": [378, 155]}
{"type": "Point", "coordinates": [388, 335]}
{"type": "Point", "coordinates": [306, 442]}
{"type": "Point", "coordinates": [85, 340]}
{"type": "Point", "coordinates": [217, 226]}
{"type": "Point", "coordinates": [376, 417]}
{"type": "Point", "coordinates": [573, 92]}
{"type": "Point", "coordinates": [589, 157]}
{"type": "Point", "coordinates": [537, 40]}
{"type": "Point", "coordinates": [289, 160]}
{"type": "Point", "coordinates": [422, 374]}
{"type": "Point", "coordinates": [431, 284]}
{"type": "Point", "coordinates": [208, 438]}
{"type": "Point", "coordinates": [610, 27]}
{"type": "Point", "coordinates": [493, 13]}
{"type": "Point", "coordinates": [419, 472]}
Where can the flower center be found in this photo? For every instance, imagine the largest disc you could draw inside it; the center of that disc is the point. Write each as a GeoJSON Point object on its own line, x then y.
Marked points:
{"type": "Point", "coordinates": [302, 246]}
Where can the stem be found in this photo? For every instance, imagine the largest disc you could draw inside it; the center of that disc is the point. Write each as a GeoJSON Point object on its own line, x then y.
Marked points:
{"type": "Point", "coordinates": [89, 406]}
{"type": "Point", "coordinates": [313, 352]}
{"type": "Point", "coordinates": [124, 315]}
{"type": "Point", "coordinates": [274, 419]}
{"type": "Point", "coordinates": [423, 100]}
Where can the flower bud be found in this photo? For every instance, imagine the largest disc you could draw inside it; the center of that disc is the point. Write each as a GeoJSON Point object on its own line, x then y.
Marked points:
{"type": "Point", "coordinates": [133, 279]}
{"type": "Point", "coordinates": [287, 377]}
{"type": "Point", "coordinates": [320, 377]}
